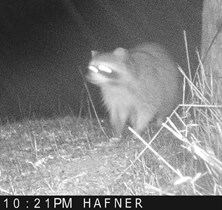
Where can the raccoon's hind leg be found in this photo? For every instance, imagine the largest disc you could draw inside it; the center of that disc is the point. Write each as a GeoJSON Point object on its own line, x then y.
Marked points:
{"type": "Point", "coordinates": [143, 117]}
{"type": "Point", "coordinates": [118, 118]}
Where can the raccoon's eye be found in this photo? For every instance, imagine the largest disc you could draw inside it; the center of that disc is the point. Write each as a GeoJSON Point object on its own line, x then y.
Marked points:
{"type": "Point", "coordinates": [94, 69]}
{"type": "Point", "coordinates": [104, 68]}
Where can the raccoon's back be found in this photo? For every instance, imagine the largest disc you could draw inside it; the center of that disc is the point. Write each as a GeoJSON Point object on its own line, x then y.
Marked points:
{"type": "Point", "coordinates": [158, 77]}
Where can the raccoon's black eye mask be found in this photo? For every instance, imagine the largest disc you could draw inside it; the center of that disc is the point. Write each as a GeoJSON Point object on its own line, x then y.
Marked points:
{"type": "Point", "coordinates": [104, 70]}
{"type": "Point", "coordinates": [100, 69]}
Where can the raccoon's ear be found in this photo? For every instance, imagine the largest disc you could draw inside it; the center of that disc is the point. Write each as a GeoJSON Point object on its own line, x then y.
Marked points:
{"type": "Point", "coordinates": [94, 53]}
{"type": "Point", "coordinates": [121, 53]}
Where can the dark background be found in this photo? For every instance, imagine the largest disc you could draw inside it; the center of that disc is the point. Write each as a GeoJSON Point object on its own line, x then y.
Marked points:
{"type": "Point", "coordinates": [45, 43]}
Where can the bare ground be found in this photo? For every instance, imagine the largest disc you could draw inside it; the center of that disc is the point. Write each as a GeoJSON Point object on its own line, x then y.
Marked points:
{"type": "Point", "coordinates": [69, 156]}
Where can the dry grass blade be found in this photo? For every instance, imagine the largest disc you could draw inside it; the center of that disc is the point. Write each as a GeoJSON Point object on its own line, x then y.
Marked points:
{"type": "Point", "coordinates": [156, 153]}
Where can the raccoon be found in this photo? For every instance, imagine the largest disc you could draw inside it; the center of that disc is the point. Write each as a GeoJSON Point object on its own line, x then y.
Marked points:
{"type": "Point", "coordinates": [136, 84]}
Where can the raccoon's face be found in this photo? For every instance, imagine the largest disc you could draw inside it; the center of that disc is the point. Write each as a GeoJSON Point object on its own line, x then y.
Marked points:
{"type": "Point", "coordinates": [101, 72]}
{"type": "Point", "coordinates": [107, 68]}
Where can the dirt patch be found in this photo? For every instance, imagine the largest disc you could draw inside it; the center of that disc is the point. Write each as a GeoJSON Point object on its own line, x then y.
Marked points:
{"type": "Point", "coordinates": [73, 157]}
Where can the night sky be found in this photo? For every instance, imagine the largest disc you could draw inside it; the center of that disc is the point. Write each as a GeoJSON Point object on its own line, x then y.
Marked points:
{"type": "Point", "coordinates": [45, 44]}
